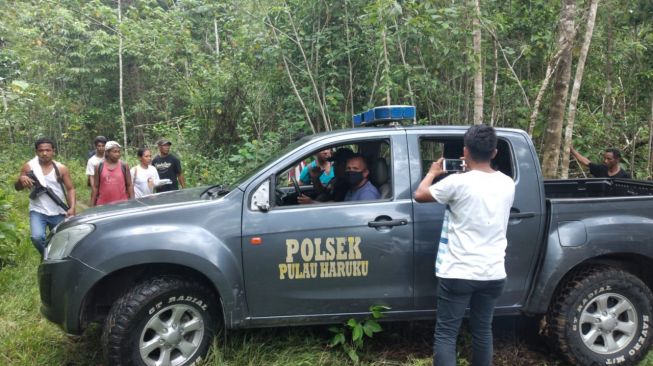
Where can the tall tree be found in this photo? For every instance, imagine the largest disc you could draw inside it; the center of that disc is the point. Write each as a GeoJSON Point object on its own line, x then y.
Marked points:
{"type": "Point", "coordinates": [123, 120]}
{"type": "Point", "coordinates": [478, 63]}
{"type": "Point", "coordinates": [553, 133]}
{"type": "Point", "coordinates": [578, 78]}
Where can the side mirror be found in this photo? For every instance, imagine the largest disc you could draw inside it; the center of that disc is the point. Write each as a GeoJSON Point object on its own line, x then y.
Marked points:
{"type": "Point", "coordinates": [261, 198]}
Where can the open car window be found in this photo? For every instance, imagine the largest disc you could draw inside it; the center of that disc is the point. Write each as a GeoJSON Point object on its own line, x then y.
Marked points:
{"type": "Point", "coordinates": [431, 149]}
{"type": "Point", "coordinates": [294, 180]}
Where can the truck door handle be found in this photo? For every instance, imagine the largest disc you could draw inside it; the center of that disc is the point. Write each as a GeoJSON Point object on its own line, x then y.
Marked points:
{"type": "Point", "coordinates": [381, 222]}
{"type": "Point", "coordinates": [521, 215]}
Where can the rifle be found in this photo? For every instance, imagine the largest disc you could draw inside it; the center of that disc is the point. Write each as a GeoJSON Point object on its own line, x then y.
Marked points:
{"type": "Point", "coordinates": [39, 190]}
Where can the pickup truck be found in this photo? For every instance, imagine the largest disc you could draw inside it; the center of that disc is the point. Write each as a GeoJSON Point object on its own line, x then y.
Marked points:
{"type": "Point", "coordinates": [167, 272]}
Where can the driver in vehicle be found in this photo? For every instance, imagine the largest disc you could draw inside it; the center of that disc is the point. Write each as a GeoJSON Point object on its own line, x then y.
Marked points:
{"type": "Point", "coordinates": [357, 176]}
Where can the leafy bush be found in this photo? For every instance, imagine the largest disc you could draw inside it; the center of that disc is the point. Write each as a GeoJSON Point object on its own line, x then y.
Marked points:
{"type": "Point", "coordinates": [351, 335]}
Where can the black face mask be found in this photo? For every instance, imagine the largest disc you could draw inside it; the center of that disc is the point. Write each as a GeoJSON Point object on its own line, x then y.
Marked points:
{"type": "Point", "coordinates": [353, 178]}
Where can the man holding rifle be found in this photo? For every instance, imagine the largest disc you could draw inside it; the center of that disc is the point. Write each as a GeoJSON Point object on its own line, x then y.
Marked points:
{"type": "Point", "coordinates": [51, 186]}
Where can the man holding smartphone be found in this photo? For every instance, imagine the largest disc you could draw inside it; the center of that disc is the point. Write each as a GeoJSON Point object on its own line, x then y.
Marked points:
{"type": "Point", "coordinates": [470, 263]}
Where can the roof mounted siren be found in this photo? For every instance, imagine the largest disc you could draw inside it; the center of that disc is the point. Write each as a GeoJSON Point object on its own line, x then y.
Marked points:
{"type": "Point", "coordinates": [390, 114]}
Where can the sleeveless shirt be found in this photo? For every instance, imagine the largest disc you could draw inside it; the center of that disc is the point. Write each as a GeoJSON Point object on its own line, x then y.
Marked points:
{"type": "Point", "coordinates": [44, 204]}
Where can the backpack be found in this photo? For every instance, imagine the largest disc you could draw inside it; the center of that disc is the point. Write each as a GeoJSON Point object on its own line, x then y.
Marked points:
{"type": "Point", "coordinates": [123, 166]}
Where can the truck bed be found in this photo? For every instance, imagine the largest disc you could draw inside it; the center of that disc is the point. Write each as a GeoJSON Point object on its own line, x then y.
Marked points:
{"type": "Point", "coordinates": [597, 187]}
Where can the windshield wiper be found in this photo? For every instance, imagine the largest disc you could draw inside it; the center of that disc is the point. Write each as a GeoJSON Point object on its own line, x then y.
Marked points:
{"type": "Point", "coordinates": [215, 191]}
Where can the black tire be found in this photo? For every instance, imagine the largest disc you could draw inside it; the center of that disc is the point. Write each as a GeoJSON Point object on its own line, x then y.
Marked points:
{"type": "Point", "coordinates": [171, 316]}
{"type": "Point", "coordinates": [601, 316]}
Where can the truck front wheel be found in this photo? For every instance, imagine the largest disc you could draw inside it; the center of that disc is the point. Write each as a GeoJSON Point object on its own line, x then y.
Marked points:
{"type": "Point", "coordinates": [602, 316]}
{"type": "Point", "coordinates": [164, 321]}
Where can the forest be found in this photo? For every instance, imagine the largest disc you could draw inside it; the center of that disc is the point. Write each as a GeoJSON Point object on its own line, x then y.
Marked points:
{"type": "Point", "coordinates": [232, 82]}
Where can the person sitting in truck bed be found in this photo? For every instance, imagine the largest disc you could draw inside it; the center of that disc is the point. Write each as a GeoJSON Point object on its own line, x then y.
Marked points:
{"type": "Point", "coordinates": [610, 167]}
{"type": "Point", "coordinates": [357, 176]}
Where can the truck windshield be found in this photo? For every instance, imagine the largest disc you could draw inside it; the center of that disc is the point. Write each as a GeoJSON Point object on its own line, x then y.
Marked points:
{"type": "Point", "coordinates": [273, 157]}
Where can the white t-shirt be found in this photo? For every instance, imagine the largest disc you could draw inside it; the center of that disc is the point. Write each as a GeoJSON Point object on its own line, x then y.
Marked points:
{"type": "Point", "coordinates": [140, 178]}
{"type": "Point", "coordinates": [91, 163]}
{"type": "Point", "coordinates": [473, 239]}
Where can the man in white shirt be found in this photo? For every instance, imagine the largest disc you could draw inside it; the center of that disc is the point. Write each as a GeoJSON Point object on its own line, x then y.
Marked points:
{"type": "Point", "coordinates": [471, 252]}
{"type": "Point", "coordinates": [94, 160]}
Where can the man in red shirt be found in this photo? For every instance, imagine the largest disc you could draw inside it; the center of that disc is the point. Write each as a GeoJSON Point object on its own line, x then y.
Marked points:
{"type": "Point", "coordinates": [112, 180]}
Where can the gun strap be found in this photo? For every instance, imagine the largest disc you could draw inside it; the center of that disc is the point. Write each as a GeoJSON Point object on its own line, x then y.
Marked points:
{"type": "Point", "coordinates": [60, 181]}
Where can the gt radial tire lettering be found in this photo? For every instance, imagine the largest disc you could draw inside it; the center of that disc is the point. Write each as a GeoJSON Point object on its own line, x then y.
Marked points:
{"type": "Point", "coordinates": [578, 297]}
{"type": "Point", "coordinates": [640, 341]}
{"type": "Point", "coordinates": [190, 299]}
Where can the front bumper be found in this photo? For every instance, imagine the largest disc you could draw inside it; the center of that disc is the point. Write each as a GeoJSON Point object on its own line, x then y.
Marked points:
{"type": "Point", "coordinates": [63, 285]}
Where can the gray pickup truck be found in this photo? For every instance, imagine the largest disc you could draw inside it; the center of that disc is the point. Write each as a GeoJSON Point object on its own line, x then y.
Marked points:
{"type": "Point", "coordinates": [166, 273]}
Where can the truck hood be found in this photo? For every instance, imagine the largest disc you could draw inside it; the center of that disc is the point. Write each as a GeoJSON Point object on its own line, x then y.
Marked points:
{"type": "Point", "coordinates": [155, 201]}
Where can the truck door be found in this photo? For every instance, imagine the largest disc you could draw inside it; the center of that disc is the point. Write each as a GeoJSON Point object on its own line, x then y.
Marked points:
{"type": "Point", "coordinates": [313, 260]}
{"type": "Point", "coordinates": [514, 159]}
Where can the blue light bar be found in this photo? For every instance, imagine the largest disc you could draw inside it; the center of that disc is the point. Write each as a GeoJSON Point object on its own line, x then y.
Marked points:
{"type": "Point", "coordinates": [384, 114]}
{"type": "Point", "coordinates": [357, 119]}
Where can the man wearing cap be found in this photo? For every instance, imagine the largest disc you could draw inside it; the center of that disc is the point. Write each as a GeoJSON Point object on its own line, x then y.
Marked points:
{"type": "Point", "coordinates": [94, 160]}
{"type": "Point", "coordinates": [169, 167]}
{"type": "Point", "coordinates": [112, 181]}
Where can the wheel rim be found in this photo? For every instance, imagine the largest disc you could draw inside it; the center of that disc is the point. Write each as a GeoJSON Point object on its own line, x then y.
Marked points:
{"type": "Point", "coordinates": [608, 323]}
{"type": "Point", "coordinates": [172, 336]}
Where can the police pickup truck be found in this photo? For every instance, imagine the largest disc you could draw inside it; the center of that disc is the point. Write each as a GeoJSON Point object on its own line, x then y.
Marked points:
{"type": "Point", "coordinates": [167, 272]}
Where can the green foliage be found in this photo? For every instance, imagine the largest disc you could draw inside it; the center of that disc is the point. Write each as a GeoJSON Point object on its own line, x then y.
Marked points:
{"type": "Point", "coordinates": [351, 335]}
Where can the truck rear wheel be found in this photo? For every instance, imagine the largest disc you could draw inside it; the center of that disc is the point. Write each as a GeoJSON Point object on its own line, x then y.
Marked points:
{"type": "Point", "coordinates": [164, 321]}
{"type": "Point", "coordinates": [601, 316]}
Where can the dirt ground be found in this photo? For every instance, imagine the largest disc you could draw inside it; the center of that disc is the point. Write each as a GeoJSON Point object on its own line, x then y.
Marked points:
{"type": "Point", "coordinates": [516, 342]}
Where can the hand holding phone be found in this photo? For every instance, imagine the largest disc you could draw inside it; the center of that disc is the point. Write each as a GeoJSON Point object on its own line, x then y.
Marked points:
{"type": "Point", "coordinates": [453, 165]}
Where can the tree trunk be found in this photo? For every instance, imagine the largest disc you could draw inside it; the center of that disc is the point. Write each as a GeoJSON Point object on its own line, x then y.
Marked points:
{"type": "Point", "coordinates": [292, 82]}
{"type": "Point", "coordinates": [553, 133]}
{"type": "Point", "coordinates": [405, 64]}
{"type": "Point", "coordinates": [494, 84]}
{"type": "Point", "coordinates": [217, 40]}
{"type": "Point", "coordinates": [609, 49]}
{"type": "Point", "coordinates": [5, 111]}
{"type": "Point", "coordinates": [351, 69]}
{"type": "Point", "coordinates": [122, 104]}
{"type": "Point", "coordinates": [578, 79]}
{"type": "Point", "coordinates": [386, 69]}
{"type": "Point", "coordinates": [478, 64]}
{"type": "Point", "coordinates": [309, 72]}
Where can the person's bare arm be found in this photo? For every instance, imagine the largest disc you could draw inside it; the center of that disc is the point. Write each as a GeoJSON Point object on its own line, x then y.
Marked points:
{"type": "Point", "coordinates": [423, 194]}
{"type": "Point", "coordinates": [581, 159]}
{"type": "Point", "coordinates": [23, 180]}
{"type": "Point", "coordinates": [182, 181]}
{"type": "Point", "coordinates": [129, 183]}
{"type": "Point", "coordinates": [94, 186]}
{"type": "Point", "coordinates": [70, 190]}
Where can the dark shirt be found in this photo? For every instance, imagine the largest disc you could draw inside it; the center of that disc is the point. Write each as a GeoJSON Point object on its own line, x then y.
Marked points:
{"type": "Point", "coordinates": [601, 171]}
{"type": "Point", "coordinates": [168, 167]}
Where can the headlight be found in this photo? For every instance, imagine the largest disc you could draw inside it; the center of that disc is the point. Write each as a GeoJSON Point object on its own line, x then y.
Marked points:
{"type": "Point", "coordinates": [63, 242]}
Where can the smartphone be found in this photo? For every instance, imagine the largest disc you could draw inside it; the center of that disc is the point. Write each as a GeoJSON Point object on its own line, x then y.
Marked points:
{"type": "Point", "coordinates": [453, 165]}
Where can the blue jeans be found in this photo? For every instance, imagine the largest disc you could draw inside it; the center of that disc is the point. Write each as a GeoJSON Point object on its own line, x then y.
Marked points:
{"type": "Point", "coordinates": [454, 295]}
{"type": "Point", "coordinates": [37, 224]}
